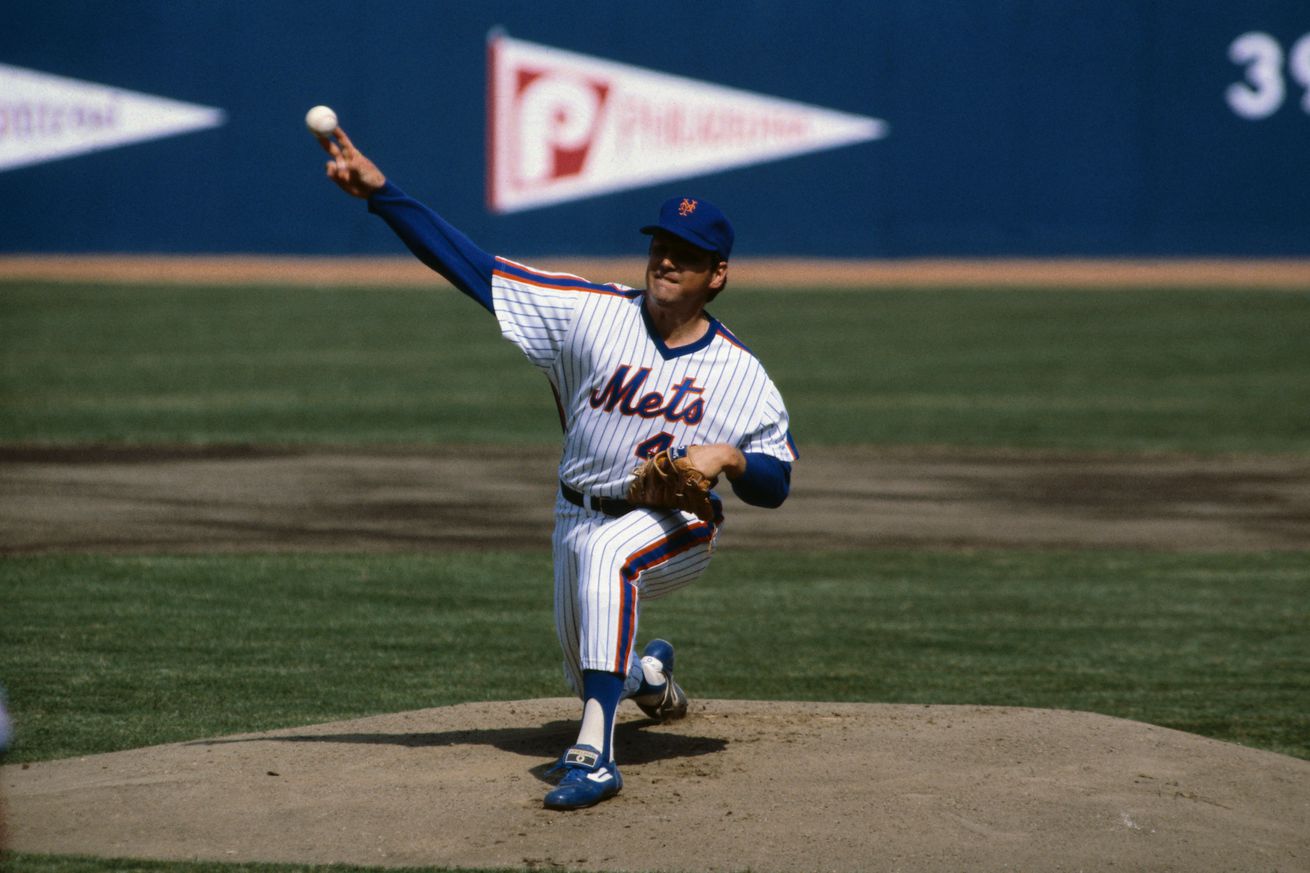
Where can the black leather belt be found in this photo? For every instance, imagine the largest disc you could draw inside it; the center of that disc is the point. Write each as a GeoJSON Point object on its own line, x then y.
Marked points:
{"type": "Point", "coordinates": [612, 506]}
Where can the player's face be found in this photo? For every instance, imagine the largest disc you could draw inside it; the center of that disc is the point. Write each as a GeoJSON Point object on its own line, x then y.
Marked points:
{"type": "Point", "coordinates": [678, 272]}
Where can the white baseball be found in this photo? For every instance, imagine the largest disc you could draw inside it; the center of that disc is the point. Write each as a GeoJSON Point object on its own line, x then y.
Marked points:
{"type": "Point", "coordinates": [321, 120]}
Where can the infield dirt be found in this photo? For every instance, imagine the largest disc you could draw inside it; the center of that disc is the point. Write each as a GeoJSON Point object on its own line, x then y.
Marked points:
{"type": "Point", "coordinates": [253, 499]}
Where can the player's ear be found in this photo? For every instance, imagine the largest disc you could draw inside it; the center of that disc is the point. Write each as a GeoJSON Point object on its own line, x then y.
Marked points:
{"type": "Point", "coordinates": [718, 280]}
{"type": "Point", "coordinates": [719, 276]}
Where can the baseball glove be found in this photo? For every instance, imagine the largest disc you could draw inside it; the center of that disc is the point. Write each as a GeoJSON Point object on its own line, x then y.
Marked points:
{"type": "Point", "coordinates": [669, 481]}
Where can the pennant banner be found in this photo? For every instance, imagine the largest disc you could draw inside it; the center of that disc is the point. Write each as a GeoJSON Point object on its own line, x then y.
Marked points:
{"type": "Point", "coordinates": [564, 126]}
{"type": "Point", "coordinates": [45, 117]}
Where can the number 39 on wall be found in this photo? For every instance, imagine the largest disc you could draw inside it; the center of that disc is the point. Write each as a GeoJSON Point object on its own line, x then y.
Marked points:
{"type": "Point", "coordinates": [1264, 89]}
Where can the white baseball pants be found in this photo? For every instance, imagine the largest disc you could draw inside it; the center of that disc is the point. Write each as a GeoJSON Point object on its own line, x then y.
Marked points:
{"type": "Point", "coordinates": [605, 567]}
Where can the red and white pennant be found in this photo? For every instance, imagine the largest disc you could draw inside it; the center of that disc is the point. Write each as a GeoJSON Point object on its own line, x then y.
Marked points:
{"type": "Point", "coordinates": [563, 126]}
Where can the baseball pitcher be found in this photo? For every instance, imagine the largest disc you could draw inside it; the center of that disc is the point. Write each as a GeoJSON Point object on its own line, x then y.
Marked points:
{"type": "Point", "coordinates": [658, 399]}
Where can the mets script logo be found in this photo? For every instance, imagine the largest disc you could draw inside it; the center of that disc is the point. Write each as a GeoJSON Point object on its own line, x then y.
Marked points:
{"type": "Point", "coordinates": [686, 207]}
{"type": "Point", "coordinates": [682, 402]}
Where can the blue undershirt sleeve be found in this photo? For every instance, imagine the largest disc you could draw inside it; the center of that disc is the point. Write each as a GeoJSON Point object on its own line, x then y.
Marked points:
{"type": "Point", "coordinates": [436, 242]}
{"type": "Point", "coordinates": [766, 482]}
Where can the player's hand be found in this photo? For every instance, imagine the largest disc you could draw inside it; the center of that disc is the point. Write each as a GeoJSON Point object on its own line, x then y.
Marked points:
{"type": "Point", "coordinates": [717, 458]}
{"type": "Point", "coordinates": [349, 168]}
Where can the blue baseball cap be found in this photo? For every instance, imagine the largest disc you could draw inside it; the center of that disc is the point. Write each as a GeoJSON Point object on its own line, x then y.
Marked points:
{"type": "Point", "coordinates": [699, 222]}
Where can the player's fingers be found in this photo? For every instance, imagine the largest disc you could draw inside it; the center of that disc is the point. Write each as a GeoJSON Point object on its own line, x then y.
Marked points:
{"type": "Point", "coordinates": [327, 144]}
{"type": "Point", "coordinates": [347, 146]}
{"type": "Point", "coordinates": [338, 171]}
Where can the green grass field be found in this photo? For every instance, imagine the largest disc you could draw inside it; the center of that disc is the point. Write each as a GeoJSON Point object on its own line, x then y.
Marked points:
{"type": "Point", "coordinates": [112, 653]}
{"type": "Point", "coordinates": [104, 653]}
{"type": "Point", "coordinates": [1199, 371]}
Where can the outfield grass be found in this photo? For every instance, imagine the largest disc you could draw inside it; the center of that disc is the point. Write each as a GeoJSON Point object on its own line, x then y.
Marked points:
{"type": "Point", "coordinates": [109, 653]}
{"type": "Point", "coordinates": [1145, 370]}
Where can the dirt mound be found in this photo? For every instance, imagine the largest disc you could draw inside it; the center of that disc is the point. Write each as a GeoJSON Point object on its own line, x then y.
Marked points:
{"type": "Point", "coordinates": [737, 785]}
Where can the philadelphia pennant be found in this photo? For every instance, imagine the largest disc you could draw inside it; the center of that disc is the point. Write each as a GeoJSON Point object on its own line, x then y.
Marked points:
{"type": "Point", "coordinates": [563, 126]}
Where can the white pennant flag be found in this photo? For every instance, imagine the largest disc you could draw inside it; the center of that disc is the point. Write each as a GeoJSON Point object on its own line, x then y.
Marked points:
{"type": "Point", "coordinates": [563, 126]}
{"type": "Point", "coordinates": [45, 117]}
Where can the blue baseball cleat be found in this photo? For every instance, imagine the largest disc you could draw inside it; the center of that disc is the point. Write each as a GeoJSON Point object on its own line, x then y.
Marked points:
{"type": "Point", "coordinates": [587, 781]}
{"type": "Point", "coordinates": [666, 701]}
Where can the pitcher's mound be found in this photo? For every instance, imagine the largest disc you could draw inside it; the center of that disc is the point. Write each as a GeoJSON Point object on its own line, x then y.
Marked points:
{"type": "Point", "coordinates": [737, 785]}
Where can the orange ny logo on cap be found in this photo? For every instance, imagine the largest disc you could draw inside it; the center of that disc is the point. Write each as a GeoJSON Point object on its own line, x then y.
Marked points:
{"type": "Point", "coordinates": [687, 206]}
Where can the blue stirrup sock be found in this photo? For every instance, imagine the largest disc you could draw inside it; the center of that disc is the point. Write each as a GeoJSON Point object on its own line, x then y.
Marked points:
{"type": "Point", "coordinates": [601, 693]}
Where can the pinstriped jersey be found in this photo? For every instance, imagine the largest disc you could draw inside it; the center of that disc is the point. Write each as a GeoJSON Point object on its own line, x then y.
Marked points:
{"type": "Point", "coordinates": [623, 394]}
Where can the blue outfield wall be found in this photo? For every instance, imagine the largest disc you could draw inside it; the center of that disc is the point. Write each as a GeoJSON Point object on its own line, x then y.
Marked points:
{"type": "Point", "coordinates": [1017, 127]}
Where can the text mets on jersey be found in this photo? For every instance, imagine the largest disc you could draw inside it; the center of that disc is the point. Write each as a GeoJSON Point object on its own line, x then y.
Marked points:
{"type": "Point", "coordinates": [682, 402]}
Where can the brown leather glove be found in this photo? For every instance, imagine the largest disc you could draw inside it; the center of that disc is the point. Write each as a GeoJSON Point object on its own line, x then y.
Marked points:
{"type": "Point", "coordinates": [669, 481]}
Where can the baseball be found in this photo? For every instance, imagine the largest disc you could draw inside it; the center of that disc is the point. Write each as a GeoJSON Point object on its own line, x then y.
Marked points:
{"type": "Point", "coordinates": [321, 120]}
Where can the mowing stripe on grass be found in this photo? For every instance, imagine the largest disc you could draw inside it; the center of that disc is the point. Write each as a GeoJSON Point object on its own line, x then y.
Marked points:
{"type": "Point", "coordinates": [104, 653]}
